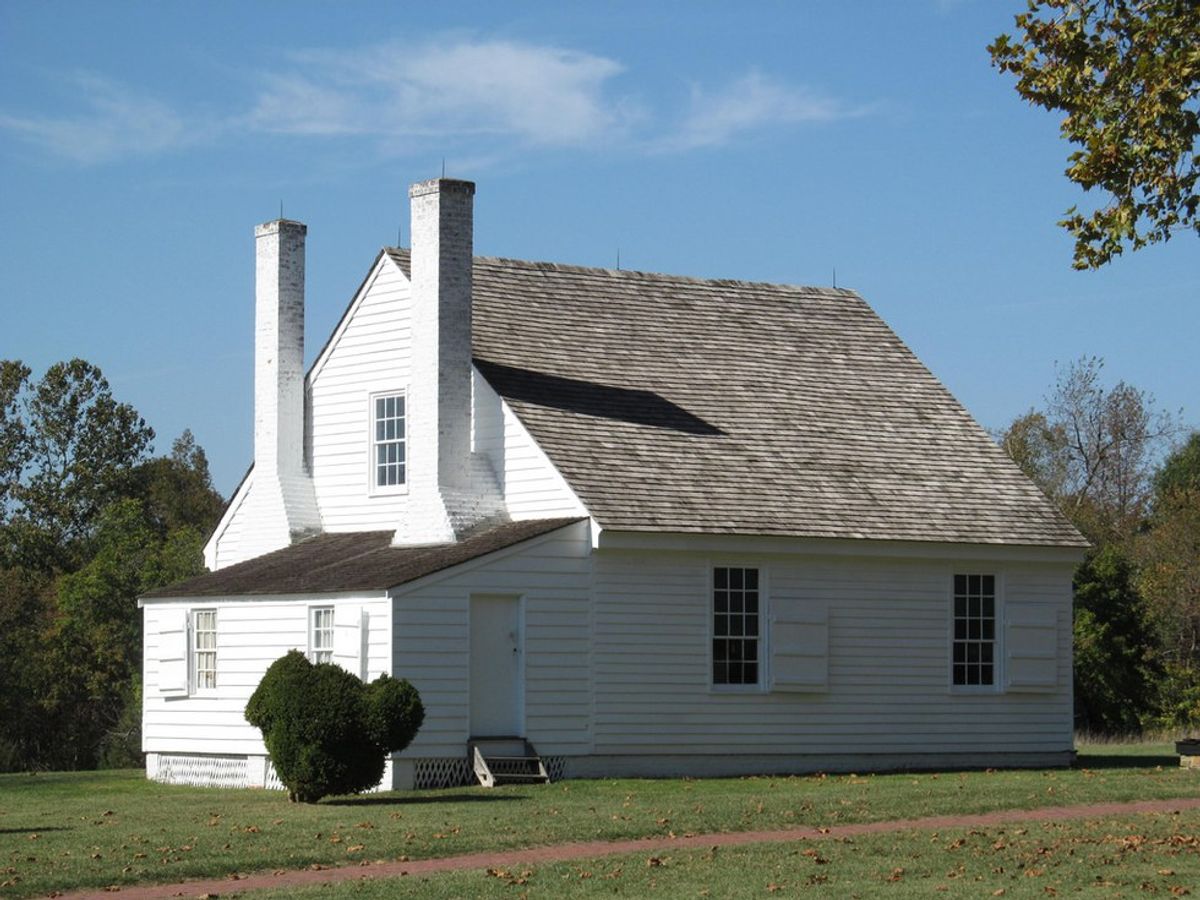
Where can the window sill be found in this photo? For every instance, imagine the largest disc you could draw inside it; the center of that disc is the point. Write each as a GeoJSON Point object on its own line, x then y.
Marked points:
{"type": "Point", "coordinates": [397, 491]}
{"type": "Point", "coordinates": [736, 689]}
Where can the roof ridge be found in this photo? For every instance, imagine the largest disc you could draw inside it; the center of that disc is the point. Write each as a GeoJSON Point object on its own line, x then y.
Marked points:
{"type": "Point", "coordinates": [666, 277]}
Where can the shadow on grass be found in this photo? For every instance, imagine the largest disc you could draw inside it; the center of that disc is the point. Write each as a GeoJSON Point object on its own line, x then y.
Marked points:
{"type": "Point", "coordinates": [1124, 761]}
{"type": "Point", "coordinates": [412, 801]}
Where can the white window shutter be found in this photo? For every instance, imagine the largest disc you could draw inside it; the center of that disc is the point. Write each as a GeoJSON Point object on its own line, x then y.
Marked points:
{"type": "Point", "coordinates": [349, 638]}
{"type": "Point", "coordinates": [799, 642]}
{"type": "Point", "coordinates": [1031, 647]}
{"type": "Point", "coordinates": [173, 651]}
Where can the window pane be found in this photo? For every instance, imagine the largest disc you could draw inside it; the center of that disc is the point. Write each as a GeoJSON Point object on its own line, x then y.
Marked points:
{"type": "Point", "coordinates": [735, 578]}
{"type": "Point", "coordinates": [751, 579]}
{"type": "Point", "coordinates": [720, 578]}
{"type": "Point", "coordinates": [974, 629]}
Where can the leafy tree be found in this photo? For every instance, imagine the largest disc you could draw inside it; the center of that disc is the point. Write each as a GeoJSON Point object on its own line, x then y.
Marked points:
{"type": "Point", "coordinates": [1115, 668]}
{"type": "Point", "coordinates": [24, 618]}
{"type": "Point", "coordinates": [78, 450]}
{"type": "Point", "coordinates": [1169, 553]}
{"type": "Point", "coordinates": [1092, 450]}
{"type": "Point", "coordinates": [14, 442]}
{"type": "Point", "coordinates": [178, 489]}
{"type": "Point", "coordinates": [87, 522]}
{"type": "Point", "coordinates": [326, 731]}
{"type": "Point", "coordinates": [1040, 449]}
{"type": "Point", "coordinates": [1126, 75]}
{"type": "Point", "coordinates": [1180, 471]}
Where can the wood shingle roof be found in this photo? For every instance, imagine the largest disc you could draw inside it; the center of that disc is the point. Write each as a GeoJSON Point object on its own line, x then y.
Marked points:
{"type": "Point", "coordinates": [351, 561]}
{"type": "Point", "coordinates": [686, 405]}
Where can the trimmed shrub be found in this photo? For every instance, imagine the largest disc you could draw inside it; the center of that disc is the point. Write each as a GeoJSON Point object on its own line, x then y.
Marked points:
{"type": "Point", "coordinates": [326, 731]}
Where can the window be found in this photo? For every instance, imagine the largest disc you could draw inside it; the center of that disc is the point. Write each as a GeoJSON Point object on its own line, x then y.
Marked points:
{"type": "Point", "coordinates": [204, 649]}
{"type": "Point", "coordinates": [387, 456]}
{"type": "Point", "coordinates": [974, 629]}
{"type": "Point", "coordinates": [320, 634]}
{"type": "Point", "coordinates": [735, 643]}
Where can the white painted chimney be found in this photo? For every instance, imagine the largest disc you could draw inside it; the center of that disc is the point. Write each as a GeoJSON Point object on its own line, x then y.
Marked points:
{"type": "Point", "coordinates": [280, 475]}
{"type": "Point", "coordinates": [446, 493]}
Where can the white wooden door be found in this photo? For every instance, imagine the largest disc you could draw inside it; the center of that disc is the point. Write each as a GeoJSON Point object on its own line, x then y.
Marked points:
{"type": "Point", "coordinates": [496, 667]}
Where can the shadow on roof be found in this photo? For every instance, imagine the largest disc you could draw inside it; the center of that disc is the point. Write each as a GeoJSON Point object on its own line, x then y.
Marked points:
{"type": "Point", "coordinates": [591, 399]}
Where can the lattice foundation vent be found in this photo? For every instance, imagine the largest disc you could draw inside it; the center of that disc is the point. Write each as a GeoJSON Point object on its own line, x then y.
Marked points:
{"type": "Point", "coordinates": [556, 767]}
{"type": "Point", "coordinates": [271, 779]}
{"type": "Point", "coordinates": [442, 772]}
{"type": "Point", "coordinates": [202, 771]}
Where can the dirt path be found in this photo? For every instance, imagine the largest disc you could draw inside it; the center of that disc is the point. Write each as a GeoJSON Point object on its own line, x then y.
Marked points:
{"type": "Point", "coordinates": [587, 850]}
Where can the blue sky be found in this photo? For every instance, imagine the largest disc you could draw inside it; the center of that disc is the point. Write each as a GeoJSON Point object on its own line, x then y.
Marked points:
{"type": "Point", "coordinates": [141, 143]}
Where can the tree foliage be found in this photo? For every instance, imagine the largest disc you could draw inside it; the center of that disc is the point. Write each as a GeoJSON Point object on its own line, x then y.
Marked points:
{"type": "Point", "coordinates": [70, 449]}
{"type": "Point", "coordinates": [326, 731]}
{"type": "Point", "coordinates": [88, 521]}
{"type": "Point", "coordinates": [1125, 74]}
{"type": "Point", "coordinates": [1092, 449]}
{"type": "Point", "coordinates": [1115, 664]}
{"type": "Point", "coordinates": [1169, 554]}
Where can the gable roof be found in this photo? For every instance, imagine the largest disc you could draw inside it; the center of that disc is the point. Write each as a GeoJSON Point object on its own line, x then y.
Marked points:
{"type": "Point", "coordinates": [686, 405]}
{"type": "Point", "coordinates": [351, 561]}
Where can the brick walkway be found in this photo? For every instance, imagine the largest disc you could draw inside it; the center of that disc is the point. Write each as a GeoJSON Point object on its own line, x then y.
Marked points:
{"type": "Point", "coordinates": [589, 850]}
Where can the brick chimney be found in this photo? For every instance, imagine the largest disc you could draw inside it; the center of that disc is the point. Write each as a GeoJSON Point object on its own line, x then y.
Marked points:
{"type": "Point", "coordinates": [444, 490]}
{"type": "Point", "coordinates": [281, 478]}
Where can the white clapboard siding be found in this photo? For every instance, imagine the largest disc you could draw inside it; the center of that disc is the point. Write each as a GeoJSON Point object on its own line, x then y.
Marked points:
{"type": "Point", "coordinates": [1031, 646]}
{"type": "Point", "coordinates": [530, 484]}
{"type": "Point", "coordinates": [251, 634]}
{"type": "Point", "coordinates": [551, 575]}
{"type": "Point", "coordinates": [888, 680]}
{"type": "Point", "coordinates": [799, 645]}
{"type": "Point", "coordinates": [370, 353]}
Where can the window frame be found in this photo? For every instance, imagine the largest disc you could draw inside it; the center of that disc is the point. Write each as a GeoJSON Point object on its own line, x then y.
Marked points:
{"type": "Point", "coordinates": [375, 489]}
{"type": "Point", "coordinates": [762, 684]}
{"type": "Point", "coordinates": [313, 650]}
{"type": "Point", "coordinates": [997, 683]}
{"type": "Point", "coordinates": [195, 651]}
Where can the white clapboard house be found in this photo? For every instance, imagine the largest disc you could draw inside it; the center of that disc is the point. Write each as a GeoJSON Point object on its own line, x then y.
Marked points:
{"type": "Point", "coordinates": [642, 524]}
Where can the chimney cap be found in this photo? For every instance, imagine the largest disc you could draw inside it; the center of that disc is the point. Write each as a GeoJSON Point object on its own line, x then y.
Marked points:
{"type": "Point", "coordinates": [441, 185]}
{"type": "Point", "coordinates": [277, 225]}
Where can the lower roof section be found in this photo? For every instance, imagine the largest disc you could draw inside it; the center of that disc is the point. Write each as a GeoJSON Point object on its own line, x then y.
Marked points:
{"type": "Point", "coordinates": [352, 561]}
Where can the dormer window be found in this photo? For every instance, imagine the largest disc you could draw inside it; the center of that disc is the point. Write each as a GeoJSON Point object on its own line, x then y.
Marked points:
{"type": "Point", "coordinates": [388, 458]}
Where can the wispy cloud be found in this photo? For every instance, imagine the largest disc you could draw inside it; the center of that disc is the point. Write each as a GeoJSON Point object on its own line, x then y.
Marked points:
{"type": "Point", "coordinates": [482, 98]}
{"type": "Point", "coordinates": [752, 102]}
{"type": "Point", "coordinates": [113, 122]}
{"type": "Point", "coordinates": [503, 89]}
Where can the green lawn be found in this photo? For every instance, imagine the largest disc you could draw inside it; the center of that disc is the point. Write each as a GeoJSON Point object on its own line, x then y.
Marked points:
{"type": "Point", "coordinates": [1124, 856]}
{"type": "Point", "coordinates": [92, 829]}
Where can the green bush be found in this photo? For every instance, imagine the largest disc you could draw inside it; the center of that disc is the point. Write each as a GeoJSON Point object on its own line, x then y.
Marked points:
{"type": "Point", "coordinates": [326, 731]}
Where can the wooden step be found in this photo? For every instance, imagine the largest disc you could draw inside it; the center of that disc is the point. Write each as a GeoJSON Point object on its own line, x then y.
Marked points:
{"type": "Point", "coordinates": [506, 760]}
